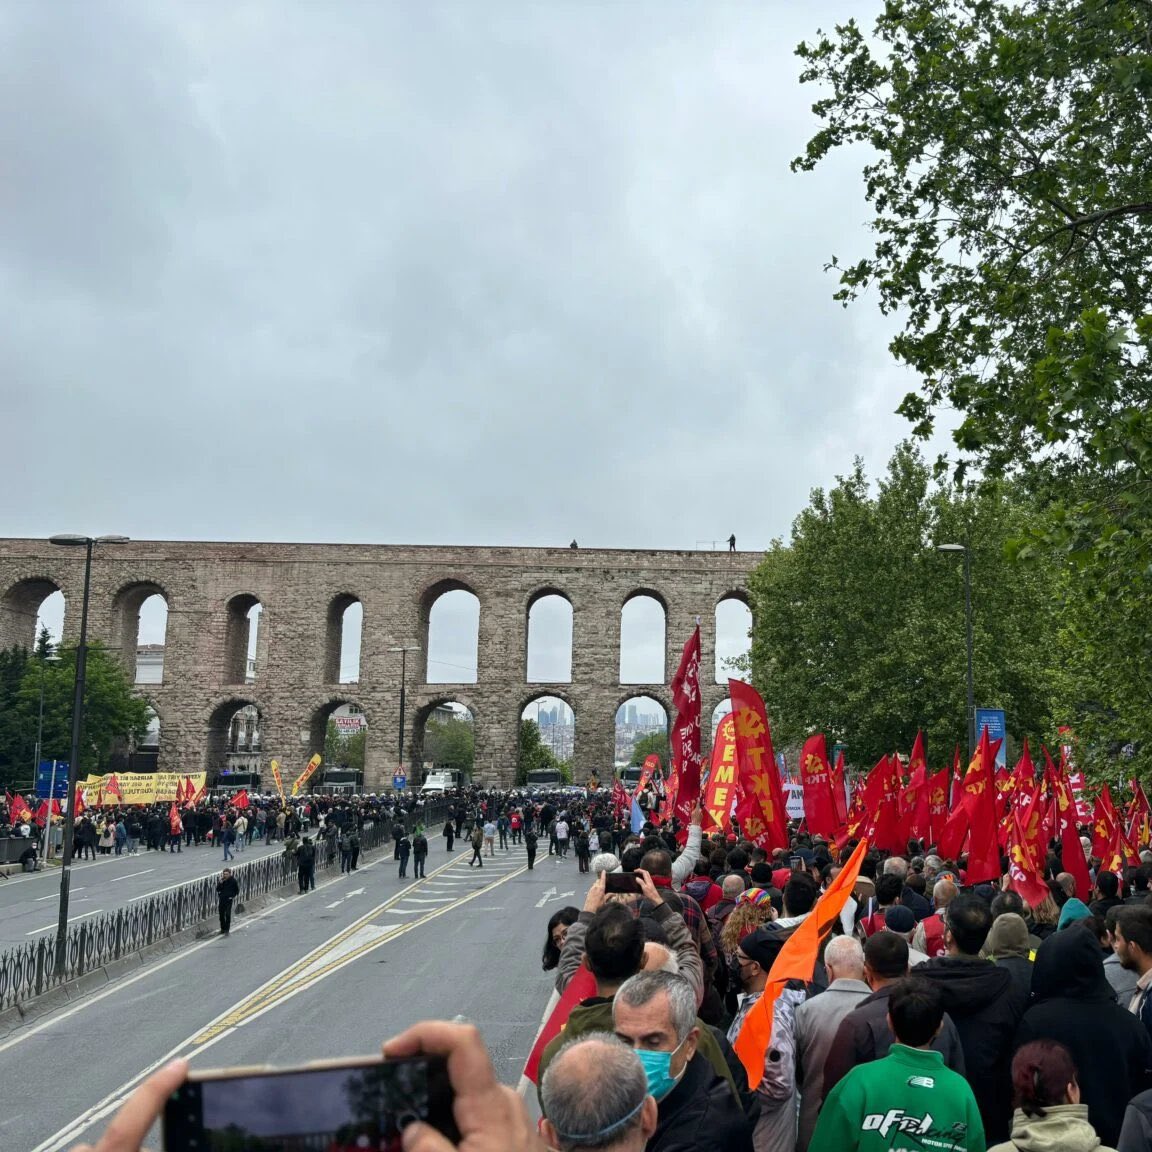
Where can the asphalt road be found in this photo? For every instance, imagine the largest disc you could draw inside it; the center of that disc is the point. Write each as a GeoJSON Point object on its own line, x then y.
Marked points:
{"type": "Point", "coordinates": [28, 902]}
{"type": "Point", "coordinates": [332, 973]}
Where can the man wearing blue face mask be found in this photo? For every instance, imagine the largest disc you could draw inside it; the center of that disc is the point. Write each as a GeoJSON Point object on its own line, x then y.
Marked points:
{"type": "Point", "coordinates": [654, 1013]}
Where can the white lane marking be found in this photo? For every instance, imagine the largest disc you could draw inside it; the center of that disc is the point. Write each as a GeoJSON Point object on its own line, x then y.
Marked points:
{"type": "Point", "coordinates": [55, 895]}
{"type": "Point", "coordinates": [72, 920]}
{"type": "Point", "coordinates": [429, 899]}
{"type": "Point", "coordinates": [546, 897]}
{"type": "Point", "coordinates": [129, 875]}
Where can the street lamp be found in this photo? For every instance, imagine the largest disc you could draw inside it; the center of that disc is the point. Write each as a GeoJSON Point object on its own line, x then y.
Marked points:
{"type": "Point", "coordinates": [963, 548]}
{"type": "Point", "coordinates": [403, 649]}
{"type": "Point", "coordinates": [88, 543]}
{"type": "Point", "coordinates": [48, 657]}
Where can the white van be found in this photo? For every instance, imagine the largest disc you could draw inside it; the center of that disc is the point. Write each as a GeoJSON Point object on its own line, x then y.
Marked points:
{"type": "Point", "coordinates": [437, 782]}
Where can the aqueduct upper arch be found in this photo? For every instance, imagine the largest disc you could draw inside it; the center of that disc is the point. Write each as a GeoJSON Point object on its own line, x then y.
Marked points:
{"type": "Point", "coordinates": [211, 587]}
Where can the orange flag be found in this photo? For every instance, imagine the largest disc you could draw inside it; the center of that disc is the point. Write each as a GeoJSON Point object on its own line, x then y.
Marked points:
{"type": "Point", "coordinates": [796, 961]}
{"type": "Point", "coordinates": [721, 786]}
{"type": "Point", "coordinates": [763, 816]}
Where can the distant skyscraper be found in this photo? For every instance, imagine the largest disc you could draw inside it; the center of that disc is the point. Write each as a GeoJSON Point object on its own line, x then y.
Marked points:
{"type": "Point", "coordinates": [632, 715]}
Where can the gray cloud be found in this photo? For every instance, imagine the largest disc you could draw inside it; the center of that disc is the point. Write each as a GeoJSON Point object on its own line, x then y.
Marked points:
{"type": "Point", "coordinates": [470, 273]}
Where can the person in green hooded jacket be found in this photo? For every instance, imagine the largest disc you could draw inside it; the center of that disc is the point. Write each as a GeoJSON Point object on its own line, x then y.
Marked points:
{"type": "Point", "coordinates": [908, 1099]}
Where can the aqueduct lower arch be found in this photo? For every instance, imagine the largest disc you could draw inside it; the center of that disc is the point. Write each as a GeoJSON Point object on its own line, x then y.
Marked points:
{"type": "Point", "coordinates": [297, 585]}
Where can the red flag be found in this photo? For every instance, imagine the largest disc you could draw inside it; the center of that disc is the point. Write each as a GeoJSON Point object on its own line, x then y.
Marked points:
{"type": "Point", "coordinates": [975, 816]}
{"type": "Point", "coordinates": [112, 788]}
{"type": "Point", "coordinates": [620, 801]}
{"type": "Point", "coordinates": [18, 808]}
{"type": "Point", "coordinates": [43, 810]}
{"type": "Point", "coordinates": [650, 767]}
{"type": "Point", "coordinates": [795, 961]}
{"type": "Point", "coordinates": [839, 796]}
{"type": "Point", "coordinates": [881, 803]}
{"type": "Point", "coordinates": [816, 776]}
{"type": "Point", "coordinates": [937, 789]}
{"type": "Point", "coordinates": [174, 824]}
{"type": "Point", "coordinates": [240, 800]}
{"type": "Point", "coordinates": [721, 786]}
{"type": "Point", "coordinates": [686, 759]}
{"type": "Point", "coordinates": [763, 815]}
{"type": "Point", "coordinates": [1120, 854]}
{"type": "Point", "coordinates": [916, 803]}
{"type": "Point", "coordinates": [1064, 829]}
{"type": "Point", "coordinates": [580, 987]}
{"type": "Point", "coordinates": [1104, 823]}
{"type": "Point", "coordinates": [1139, 816]}
{"type": "Point", "coordinates": [1026, 858]}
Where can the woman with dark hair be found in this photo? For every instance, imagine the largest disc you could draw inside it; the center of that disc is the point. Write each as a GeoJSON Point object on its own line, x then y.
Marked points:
{"type": "Point", "coordinates": [1049, 1116]}
{"type": "Point", "coordinates": [558, 926]}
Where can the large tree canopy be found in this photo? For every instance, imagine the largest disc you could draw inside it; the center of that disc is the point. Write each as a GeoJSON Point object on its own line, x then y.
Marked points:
{"type": "Point", "coordinates": [859, 622]}
{"type": "Point", "coordinates": [1010, 176]}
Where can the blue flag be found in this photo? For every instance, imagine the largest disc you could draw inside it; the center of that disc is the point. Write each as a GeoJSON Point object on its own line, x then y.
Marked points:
{"type": "Point", "coordinates": [637, 816]}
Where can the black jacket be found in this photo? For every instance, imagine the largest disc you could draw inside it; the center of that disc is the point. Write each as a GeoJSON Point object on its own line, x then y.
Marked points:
{"type": "Point", "coordinates": [863, 1036]}
{"type": "Point", "coordinates": [700, 1115]}
{"type": "Point", "coordinates": [227, 890]}
{"type": "Point", "coordinates": [985, 1004]}
{"type": "Point", "coordinates": [1072, 1003]}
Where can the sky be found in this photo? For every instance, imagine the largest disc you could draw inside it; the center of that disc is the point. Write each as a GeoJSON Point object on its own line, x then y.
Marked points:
{"type": "Point", "coordinates": [503, 273]}
{"type": "Point", "coordinates": [428, 273]}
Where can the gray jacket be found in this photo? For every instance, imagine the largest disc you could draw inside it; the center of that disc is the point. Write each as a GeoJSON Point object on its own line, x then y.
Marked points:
{"type": "Point", "coordinates": [675, 930]}
{"type": "Point", "coordinates": [1122, 981]}
{"type": "Point", "coordinates": [816, 1022]}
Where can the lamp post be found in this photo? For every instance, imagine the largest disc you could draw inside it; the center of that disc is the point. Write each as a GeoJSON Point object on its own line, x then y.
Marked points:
{"type": "Point", "coordinates": [403, 649]}
{"type": "Point", "coordinates": [48, 657]}
{"type": "Point", "coordinates": [967, 553]}
{"type": "Point", "coordinates": [88, 543]}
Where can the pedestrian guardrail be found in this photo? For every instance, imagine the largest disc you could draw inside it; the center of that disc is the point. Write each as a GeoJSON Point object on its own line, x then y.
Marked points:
{"type": "Point", "coordinates": [29, 970]}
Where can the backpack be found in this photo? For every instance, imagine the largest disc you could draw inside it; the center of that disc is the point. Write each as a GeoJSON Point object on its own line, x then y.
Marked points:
{"type": "Point", "coordinates": [420, 845]}
{"type": "Point", "coordinates": [477, 837]}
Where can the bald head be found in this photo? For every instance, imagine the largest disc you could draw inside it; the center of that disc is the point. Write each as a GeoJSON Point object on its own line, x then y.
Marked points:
{"type": "Point", "coordinates": [732, 887]}
{"type": "Point", "coordinates": [595, 1095]}
{"type": "Point", "coordinates": [1068, 882]}
{"type": "Point", "coordinates": [943, 893]}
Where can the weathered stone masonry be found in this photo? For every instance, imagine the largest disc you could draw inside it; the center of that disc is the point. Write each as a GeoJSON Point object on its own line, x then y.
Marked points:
{"type": "Point", "coordinates": [304, 587]}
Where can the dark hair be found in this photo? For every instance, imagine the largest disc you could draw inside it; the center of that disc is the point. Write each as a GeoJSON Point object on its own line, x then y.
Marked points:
{"type": "Point", "coordinates": [657, 862]}
{"type": "Point", "coordinates": [886, 953]}
{"type": "Point", "coordinates": [566, 916]}
{"type": "Point", "coordinates": [761, 875]}
{"type": "Point", "coordinates": [1140, 877]}
{"type": "Point", "coordinates": [888, 888]}
{"type": "Point", "coordinates": [614, 944]}
{"type": "Point", "coordinates": [1136, 924]}
{"type": "Point", "coordinates": [969, 920]}
{"type": "Point", "coordinates": [701, 867]}
{"type": "Point", "coordinates": [916, 881]}
{"type": "Point", "coordinates": [630, 861]}
{"type": "Point", "coordinates": [916, 1007]}
{"type": "Point", "coordinates": [719, 859]}
{"type": "Point", "coordinates": [1041, 1073]}
{"type": "Point", "coordinates": [800, 894]}
{"type": "Point", "coordinates": [1107, 884]}
{"type": "Point", "coordinates": [737, 860]}
{"type": "Point", "coordinates": [1006, 902]}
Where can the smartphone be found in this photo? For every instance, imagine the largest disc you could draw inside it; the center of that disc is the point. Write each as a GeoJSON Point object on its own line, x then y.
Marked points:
{"type": "Point", "coordinates": [796, 863]}
{"type": "Point", "coordinates": [622, 882]}
{"type": "Point", "coordinates": [360, 1104]}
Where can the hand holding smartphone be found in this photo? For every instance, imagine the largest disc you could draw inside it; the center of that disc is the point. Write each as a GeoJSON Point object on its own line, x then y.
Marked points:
{"type": "Point", "coordinates": [355, 1105]}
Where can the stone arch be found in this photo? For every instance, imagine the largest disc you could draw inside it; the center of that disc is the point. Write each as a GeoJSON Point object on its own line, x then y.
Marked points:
{"type": "Point", "coordinates": [343, 635]}
{"type": "Point", "coordinates": [244, 617]}
{"type": "Point", "coordinates": [349, 713]}
{"type": "Point", "coordinates": [20, 606]}
{"type": "Point", "coordinates": [732, 621]}
{"type": "Point", "coordinates": [230, 741]}
{"type": "Point", "coordinates": [642, 655]}
{"type": "Point", "coordinates": [542, 667]}
{"type": "Point", "coordinates": [428, 712]}
{"type": "Point", "coordinates": [560, 736]}
{"type": "Point", "coordinates": [631, 721]}
{"type": "Point", "coordinates": [126, 608]}
{"type": "Point", "coordinates": [463, 648]}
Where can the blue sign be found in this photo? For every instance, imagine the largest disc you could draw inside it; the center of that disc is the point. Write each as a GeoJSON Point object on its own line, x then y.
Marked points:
{"type": "Point", "coordinates": [45, 783]}
{"type": "Point", "coordinates": [399, 782]}
{"type": "Point", "coordinates": [993, 719]}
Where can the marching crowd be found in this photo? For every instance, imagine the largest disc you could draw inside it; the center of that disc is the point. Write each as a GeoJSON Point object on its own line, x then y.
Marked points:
{"type": "Point", "coordinates": [937, 1015]}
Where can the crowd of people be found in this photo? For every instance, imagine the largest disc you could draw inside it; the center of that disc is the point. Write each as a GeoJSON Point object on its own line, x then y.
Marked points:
{"type": "Point", "coordinates": [938, 1015]}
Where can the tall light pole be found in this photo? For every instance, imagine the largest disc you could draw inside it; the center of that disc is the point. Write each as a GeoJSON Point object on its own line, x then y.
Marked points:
{"type": "Point", "coordinates": [88, 543]}
{"type": "Point", "coordinates": [403, 649]}
{"type": "Point", "coordinates": [967, 553]}
{"type": "Point", "coordinates": [48, 657]}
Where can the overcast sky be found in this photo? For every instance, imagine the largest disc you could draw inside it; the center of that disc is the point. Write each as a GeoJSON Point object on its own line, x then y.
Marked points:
{"type": "Point", "coordinates": [499, 272]}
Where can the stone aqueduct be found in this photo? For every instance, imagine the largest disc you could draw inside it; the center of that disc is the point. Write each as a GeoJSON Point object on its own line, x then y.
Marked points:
{"type": "Point", "coordinates": [303, 590]}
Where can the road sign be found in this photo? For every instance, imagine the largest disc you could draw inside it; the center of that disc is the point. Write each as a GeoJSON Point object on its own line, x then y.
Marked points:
{"type": "Point", "coordinates": [45, 782]}
{"type": "Point", "coordinates": [399, 782]}
{"type": "Point", "coordinates": [993, 719]}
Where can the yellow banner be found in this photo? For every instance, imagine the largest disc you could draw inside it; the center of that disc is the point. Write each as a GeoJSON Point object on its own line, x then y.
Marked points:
{"type": "Point", "coordinates": [144, 787]}
{"type": "Point", "coordinates": [306, 775]}
{"type": "Point", "coordinates": [275, 766]}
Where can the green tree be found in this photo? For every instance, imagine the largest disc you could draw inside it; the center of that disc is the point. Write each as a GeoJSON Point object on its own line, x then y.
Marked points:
{"type": "Point", "coordinates": [859, 623]}
{"type": "Point", "coordinates": [17, 736]}
{"type": "Point", "coordinates": [653, 742]}
{"type": "Point", "coordinates": [1010, 150]}
{"type": "Point", "coordinates": [114, 715]}
{"type": "Point", "coordinates": [450, 744]}
{"type": "Point", "coordinates": [341, 751]}
{"type": "Point", "coordinates": [536, 756]}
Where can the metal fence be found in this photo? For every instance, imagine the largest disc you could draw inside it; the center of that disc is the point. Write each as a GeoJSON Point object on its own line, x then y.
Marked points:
{"type": "Point", "coordinates": [28, 970]}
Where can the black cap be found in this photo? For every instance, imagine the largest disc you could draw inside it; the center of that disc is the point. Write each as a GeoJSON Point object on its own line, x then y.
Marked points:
{"type": "Point", "coordinates": [763, 946]}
